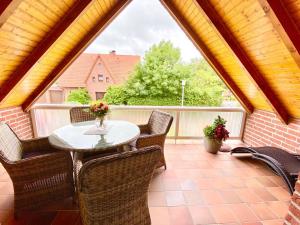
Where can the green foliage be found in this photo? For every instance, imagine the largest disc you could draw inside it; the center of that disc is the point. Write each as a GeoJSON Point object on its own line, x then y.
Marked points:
{"type": "Point", "coordinates": [160, 74]}
{"type": "Point", "coordinates": [157, 81]}
{"type": "Point", "coordinates": [79, 95]}
{"type": "Point", "coordinates": [219, 121]}
{"type": "Point", "coordinates": [155, 101]}
{"type": "Point", "coordinates": [115, 95]}
{"type": "Point", "coordinates": [209, 131]}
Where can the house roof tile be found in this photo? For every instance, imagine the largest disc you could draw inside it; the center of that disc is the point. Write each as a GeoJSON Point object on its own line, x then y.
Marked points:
{"type": "Point", "coordinates": [119, 67]}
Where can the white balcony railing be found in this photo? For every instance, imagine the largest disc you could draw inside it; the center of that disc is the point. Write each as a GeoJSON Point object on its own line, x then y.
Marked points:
{"type": "Point", "coordinates": [188, 121]}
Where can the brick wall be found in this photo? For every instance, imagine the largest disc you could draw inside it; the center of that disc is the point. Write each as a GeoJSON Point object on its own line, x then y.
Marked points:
{"type": "Point", "coordinates": [264, 128]}
{"type": "Point", "coordinates": [18, 120]}
{"type": "Point", "coordinates": [293, 216]}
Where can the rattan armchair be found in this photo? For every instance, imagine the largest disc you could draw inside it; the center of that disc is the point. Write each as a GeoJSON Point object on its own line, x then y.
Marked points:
{"type": "Point", "coordinates": [155, 132]}
{"type": "Point", "coordinates": [39, 173]}
{"type": "Point", "coordinates": [80, 114]}
{"type": "Point", "coordinates": [113, 190]}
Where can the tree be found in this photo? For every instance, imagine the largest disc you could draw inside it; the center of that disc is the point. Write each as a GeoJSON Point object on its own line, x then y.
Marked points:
{"type": "Point", "coordinates": [160, 74]}
{"type": "Point", "coordinates": [205, 87]}
{"type": "Point", "coordinates": [80, 95]}
{"type": "Point", "coordinates": [157, 81]}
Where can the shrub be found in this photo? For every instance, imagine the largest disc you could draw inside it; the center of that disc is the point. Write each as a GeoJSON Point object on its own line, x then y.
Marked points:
{"type": "Point", "coordinates": [80, 95]}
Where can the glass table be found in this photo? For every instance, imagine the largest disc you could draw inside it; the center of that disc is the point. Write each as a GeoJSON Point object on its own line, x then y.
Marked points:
{"type": "Point", "coordinates": [74, 137]}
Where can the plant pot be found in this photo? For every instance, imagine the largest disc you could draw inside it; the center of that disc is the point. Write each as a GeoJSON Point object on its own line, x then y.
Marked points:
{"type": "Point", "coordinates": [212, 145]}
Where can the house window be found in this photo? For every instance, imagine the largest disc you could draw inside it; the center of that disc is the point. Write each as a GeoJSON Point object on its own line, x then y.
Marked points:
{"type": "Point", "coordinates": [107, 79]}
{"type": "Point", "coordinates": [94, 79]}
{"type": "Point", "coordinates": [100, 77]}
{"type": "Point", "coordinates": [99, 95]}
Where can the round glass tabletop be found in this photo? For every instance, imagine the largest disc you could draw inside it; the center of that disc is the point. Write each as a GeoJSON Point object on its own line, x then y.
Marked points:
{"type": "Point", "coordinates": [81, 137]}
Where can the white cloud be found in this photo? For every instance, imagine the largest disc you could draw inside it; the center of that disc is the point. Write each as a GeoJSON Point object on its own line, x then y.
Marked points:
{"type": "Point", "coordinates": [142, 24]}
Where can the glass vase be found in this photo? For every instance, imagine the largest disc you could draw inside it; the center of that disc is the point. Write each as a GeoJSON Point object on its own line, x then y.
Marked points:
{"type": "Point", "coordinates": [100, 122]}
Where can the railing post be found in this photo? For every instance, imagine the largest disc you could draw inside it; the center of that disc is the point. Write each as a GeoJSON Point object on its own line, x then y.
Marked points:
{"type": "Point", "coordinates": [243, 126]}
{"type": "Point", "coordinates": [177, 125]}
{"type": "Point", "coordinates": [33, 122]}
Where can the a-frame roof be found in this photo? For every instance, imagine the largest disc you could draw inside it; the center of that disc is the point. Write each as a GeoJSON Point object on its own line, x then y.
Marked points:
{"type": "Point", "coordinates": [253, 45]}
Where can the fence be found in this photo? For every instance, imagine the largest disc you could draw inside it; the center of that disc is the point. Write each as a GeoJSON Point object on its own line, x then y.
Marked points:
{"type": "Point", "coordinates": [188, 121]}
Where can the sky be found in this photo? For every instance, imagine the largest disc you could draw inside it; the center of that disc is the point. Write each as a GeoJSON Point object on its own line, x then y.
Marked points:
{"type": "Point", "coordinates": [142, 24]}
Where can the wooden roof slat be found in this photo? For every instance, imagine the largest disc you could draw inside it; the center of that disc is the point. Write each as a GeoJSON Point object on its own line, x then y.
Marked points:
{"type": "Point", "coordinates": [42, 47]}
{"type": "Point", "coordinates": [258, 79]}
{"type": "Point", "coordinates": [208, 55]}
{"type": "Point", "coordinates": [284, 24]}
{"type": "Point", "coordinates": [74, 53]}
{"type": "Point", "coordinates": [7, 8]}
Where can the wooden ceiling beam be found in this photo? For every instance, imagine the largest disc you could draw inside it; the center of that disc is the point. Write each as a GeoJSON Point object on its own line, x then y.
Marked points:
{"type": "Point", "coordinates": [284, 24]}
{"type": "Point", "coordinates": [74, 53]}
{"type": "Point", "coordinates": [210, 58]}
{"type": "Point", "coordinates": [229, 39]}
{"type": "Point", "coordinates": [19, 74]}
{"type": "Point", "coordinates": [7, 7]}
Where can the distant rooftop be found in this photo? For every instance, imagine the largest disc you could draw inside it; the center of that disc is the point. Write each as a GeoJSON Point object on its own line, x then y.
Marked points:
{"type": "Point", "coordinates": [119, 67]}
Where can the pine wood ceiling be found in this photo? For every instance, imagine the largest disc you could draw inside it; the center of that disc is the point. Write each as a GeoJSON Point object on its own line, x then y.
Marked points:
{"type": "Point", "coordinates": [253, 45]}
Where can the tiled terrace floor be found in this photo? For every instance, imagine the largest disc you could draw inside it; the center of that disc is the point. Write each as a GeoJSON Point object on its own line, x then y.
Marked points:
{"type": "Point", "coordinates": [197, 188]}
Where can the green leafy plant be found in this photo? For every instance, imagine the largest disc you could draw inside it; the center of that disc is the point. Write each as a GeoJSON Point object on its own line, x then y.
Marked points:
{"type": "Point", "coordinates": [217, 130]}
{"type": "Point", "coordinates": [80, 95]}
{"type": "Point", "coordinates": [157, 81]}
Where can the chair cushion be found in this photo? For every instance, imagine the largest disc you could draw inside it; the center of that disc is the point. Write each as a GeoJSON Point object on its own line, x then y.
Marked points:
{"type": "Point", "coordinates": [10, 145]}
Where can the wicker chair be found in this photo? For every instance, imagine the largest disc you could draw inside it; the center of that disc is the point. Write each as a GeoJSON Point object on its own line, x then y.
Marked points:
{"type": "Point", "coordinates": [113, 190]}
{"type": "Point", "coordinates": [80, 114]}
{"type": "Point", "coordinates": [155, 132]}
{"type": "Point", "coordinates": [39, 173]}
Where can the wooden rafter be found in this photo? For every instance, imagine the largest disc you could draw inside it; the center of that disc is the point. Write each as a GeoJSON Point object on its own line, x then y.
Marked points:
{"type": "Point", "coordinates": [7, 7]}
{"type": "Point", "coordinates": [224, 32]}
{"type": "Point", "coordinates": [211, 59]}
{"type": "Point", "coordinates": [285, 26]}
{"type": "Point", "coordinates": [74, 53]}
{"type": "Point", "coordinates": [19, 74]}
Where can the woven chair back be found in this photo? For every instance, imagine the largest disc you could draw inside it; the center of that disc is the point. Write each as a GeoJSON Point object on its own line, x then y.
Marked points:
{"type": "Point", "coordinates": [160, 122]}
{"type": "Point", "coordinates": [10, 145]}
{"type": "Point", "coordinates": [113, 190]}
{"type": "Point", "coordinates": [80, 114]}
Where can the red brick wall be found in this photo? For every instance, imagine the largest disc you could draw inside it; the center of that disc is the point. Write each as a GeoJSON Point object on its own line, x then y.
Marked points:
{"type": "Point", "coordinates": [293, 216]}
{"type": "Point", "coordinates": [18, 120]}
{"type": "Point", "coordinates": [264, 128]}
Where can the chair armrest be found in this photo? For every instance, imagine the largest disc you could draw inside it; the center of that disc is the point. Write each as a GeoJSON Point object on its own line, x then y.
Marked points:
{"type": "Point", "coordinates": [149, 140]}
{"type": "Point", "coordinates": [36, 144]}
{"type": "Point", "coordinates": [144, 128]}
{"type": "Point", "coordinates": [39, 167]}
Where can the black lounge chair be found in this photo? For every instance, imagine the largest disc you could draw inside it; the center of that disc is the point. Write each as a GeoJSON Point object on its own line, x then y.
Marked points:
{"type": "Point", "coordinates": [285, 164]}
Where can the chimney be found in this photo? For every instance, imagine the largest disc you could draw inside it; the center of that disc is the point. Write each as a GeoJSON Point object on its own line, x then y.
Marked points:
{"type": "Point", "coordinates": [113, 52]}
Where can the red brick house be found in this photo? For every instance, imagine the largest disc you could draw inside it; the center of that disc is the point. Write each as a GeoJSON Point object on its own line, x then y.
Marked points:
{"type": "Point", "coordinates": [95, 72]}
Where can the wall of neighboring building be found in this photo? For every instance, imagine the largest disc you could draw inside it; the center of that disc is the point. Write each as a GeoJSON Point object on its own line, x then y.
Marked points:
{"type": "Point", "coordinates": [93, 84]}
{"type": "Point", "coordinates": [18, 120]}
{"type": "Point", "coordinates": [293, 215]}
{"type": "Point", "coordinates": [264, 128]}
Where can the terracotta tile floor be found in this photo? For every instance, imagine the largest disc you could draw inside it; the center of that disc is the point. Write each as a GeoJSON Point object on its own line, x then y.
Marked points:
{"type": "Point", "coordinates": [197, 188]}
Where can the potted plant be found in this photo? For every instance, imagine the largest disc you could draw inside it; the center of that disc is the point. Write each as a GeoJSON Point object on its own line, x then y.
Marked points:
{"type": "Point", "coordinates": [100, 110]}
{"type": "Point", "coordinates": [215, 134]}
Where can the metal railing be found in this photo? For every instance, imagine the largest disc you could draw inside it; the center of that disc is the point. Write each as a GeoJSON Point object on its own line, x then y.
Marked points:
{"type": "Point", "coordinates": [188, 121]}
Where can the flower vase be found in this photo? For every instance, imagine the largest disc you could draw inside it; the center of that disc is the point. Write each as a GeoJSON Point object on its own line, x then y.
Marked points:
{"type": "Point", "coordinates": [212, 145]}
{"type": "Point", "coordinates": [100, 123]}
